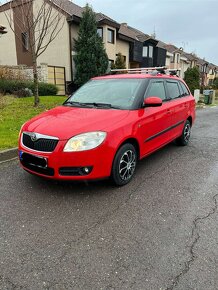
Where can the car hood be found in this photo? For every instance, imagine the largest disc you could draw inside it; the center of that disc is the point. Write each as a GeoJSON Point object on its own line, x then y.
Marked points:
{"type": "Point", "coordinates": [64, 122]}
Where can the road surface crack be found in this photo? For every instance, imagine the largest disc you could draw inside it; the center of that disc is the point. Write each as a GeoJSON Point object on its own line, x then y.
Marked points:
{"type": "Point", "coordinates": [9, 283]}
{"type": "Point", "coordinates": [195, 236]}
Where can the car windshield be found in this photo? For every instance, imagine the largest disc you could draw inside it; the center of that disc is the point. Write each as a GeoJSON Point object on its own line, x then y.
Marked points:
{"type": "Point", "coordinates": [107, 93]}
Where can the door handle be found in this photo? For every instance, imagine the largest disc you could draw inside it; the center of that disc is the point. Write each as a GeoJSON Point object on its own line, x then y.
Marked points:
{"type": "Point", "coordinates": [169, 111]}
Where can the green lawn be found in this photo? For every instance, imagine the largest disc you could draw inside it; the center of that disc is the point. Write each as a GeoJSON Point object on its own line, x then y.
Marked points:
{"type": "Point", "coordinates": [14, 112]}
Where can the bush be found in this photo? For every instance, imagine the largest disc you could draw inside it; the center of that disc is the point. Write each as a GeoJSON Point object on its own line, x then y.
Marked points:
{"type": "Point", "coordinates": [11, 86]}
{"type": "Point", "coordinates": [23, 93]}
{"type": "Point", "coordinates": [47, 89]}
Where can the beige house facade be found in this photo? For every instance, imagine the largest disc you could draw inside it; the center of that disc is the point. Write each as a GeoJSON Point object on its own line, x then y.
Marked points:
{"type": "Point", "coordinates": [60, 51]}
{"type": "Point", "coordinates": [7, 45]}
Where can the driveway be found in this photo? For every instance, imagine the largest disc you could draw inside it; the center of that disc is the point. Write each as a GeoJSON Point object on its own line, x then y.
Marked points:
{"type": "Point", "coordinates": [158, 232]}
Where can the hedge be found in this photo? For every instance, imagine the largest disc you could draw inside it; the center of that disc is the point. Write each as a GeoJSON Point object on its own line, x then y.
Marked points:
{"type": "Point", "coordinates": [11, 86]}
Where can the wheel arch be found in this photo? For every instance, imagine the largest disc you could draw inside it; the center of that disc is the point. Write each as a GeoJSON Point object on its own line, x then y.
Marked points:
{"type": "Point", "coordinates": [190, 120]}
{"type": "Point", "coordinates": [134, 142]}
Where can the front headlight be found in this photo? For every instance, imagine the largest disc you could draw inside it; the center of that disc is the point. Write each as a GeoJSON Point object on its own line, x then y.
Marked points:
{"type": "Point", "coordinates": [85, 141]}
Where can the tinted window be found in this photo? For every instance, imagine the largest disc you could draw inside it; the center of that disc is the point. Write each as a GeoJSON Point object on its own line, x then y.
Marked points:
{"type": "Point", "coordinates": [157, 90]}
{"type": "Point", "coordinates": [173, 90]}
{"type": "Point", "coordinates": [184, 89]}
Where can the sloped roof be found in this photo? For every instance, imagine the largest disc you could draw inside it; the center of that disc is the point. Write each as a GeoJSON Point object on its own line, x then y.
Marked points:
{"type": "Point", "coordinates": [171, 48]}
{"type": "Point", "coordinates": [69, 7]}
{"type": "Point", "coordinates": [101, 16]}
{"type": "Point", "coordinates": [133, 33]}
{"type": "Point", "coordinates": [190, 56]}
{"type": "Point", "coordinates": [202, 61]}
{"type": "Point", "coordinates": [126, 31]}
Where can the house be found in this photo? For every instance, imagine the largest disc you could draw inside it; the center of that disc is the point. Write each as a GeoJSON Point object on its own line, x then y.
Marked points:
{"type": "Point", "coordinates": [59, 54]}
{"type": "Point", "coordinates": [144, 49]}
{"type": "Point", "coordinates": [137, 48]}
{"type": "Point", "coordinates": [204, 69]}
{"type": "Point", "coordinates": [212, 74]}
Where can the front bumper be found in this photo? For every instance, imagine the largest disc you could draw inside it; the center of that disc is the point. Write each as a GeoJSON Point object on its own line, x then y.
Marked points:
{"type": "Point", "coordinates": [63, 165]}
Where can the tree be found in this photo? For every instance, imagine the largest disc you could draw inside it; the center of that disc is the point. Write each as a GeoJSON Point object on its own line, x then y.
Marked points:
{"type": "Point", "coordinates": [215, 83]}
{"type": "Point", "coordinates": [192, 78]}
{"type": "Point", "coordinates": [38, 24]}
{"type": "Point", "coordinates": [91, 59]}
{"type": "Point", "coordinates": [120, 62]}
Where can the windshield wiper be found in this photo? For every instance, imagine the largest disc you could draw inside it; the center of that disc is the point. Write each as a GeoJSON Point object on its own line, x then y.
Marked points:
{"type": "Point", "coordinates": [103, 105]}
{"type": "Point", "coordinates": [77, 104]}
{"type": "Point", "coordinates": [91, 105]}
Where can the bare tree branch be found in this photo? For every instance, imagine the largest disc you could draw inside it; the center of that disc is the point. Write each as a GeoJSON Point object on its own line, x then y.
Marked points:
{"type": "Point", "coordinates": [41, 21]}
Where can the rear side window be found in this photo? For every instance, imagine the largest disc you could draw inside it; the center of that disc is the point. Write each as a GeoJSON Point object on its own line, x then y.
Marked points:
{"type": "Point", "coordinates": [185, 91]}
{"type": "Point", "coordinates": [157, 90]}
{"type": "Point", "coordinates": [173, 90]}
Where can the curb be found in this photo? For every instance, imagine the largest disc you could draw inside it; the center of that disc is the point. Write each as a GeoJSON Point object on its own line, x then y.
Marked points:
{"type": "Point", "coordinates": [8, 155]}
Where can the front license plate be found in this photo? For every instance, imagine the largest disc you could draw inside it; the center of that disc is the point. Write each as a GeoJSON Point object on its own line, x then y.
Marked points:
{"type": "Point", "coordinates": [33, 159]}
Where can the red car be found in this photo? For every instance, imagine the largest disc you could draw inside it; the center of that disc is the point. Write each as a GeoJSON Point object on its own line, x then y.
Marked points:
{"type": "Point", "coordinates": [109, 124]}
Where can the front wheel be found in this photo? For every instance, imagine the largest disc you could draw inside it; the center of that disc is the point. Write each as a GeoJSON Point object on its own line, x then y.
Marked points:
{"type": "Point", "coordinates": [124, 165]}
{"type": "Point", "coordinates": [186, 133]}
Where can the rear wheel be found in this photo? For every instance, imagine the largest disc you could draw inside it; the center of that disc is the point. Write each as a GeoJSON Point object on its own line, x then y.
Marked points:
{"type": "Point", "coordinates": [124, 165]}
{"type": "Point", "coordinates": [186, 133]}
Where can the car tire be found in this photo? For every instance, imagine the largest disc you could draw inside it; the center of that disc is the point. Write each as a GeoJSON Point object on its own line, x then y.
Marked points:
{"type": "Point", "coordinates": [124, 165]}
{"type": "Point", "coordinates": [186, 132]}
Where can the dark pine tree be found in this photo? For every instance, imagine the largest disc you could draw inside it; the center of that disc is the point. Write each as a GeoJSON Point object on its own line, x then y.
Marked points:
{"type": "Point", "coordinates": [192, 78]}
{"type": "Point", "coordinates": [91, 59]}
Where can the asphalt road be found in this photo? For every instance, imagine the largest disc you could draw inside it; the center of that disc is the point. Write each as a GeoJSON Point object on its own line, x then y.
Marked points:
{"type": "Point", "coordinates": [158, 232]}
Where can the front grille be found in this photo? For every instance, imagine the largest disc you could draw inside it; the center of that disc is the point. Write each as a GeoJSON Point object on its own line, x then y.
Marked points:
{"type": "Point", "coordinates": [42, 144]}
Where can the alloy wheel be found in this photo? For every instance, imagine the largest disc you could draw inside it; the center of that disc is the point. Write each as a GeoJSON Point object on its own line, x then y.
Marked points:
{"type": "Point", "coordinates": [127, 165]}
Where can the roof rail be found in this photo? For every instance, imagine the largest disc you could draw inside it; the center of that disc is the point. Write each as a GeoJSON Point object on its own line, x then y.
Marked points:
{"type": "Point", "coordinates": [158, 70]}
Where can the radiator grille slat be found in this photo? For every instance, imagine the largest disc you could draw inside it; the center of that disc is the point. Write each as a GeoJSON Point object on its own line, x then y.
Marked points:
{"type": "Point", "coordinates": [42, 144]}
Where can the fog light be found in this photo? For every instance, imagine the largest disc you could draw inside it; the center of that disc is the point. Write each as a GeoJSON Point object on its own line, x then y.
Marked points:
{"type": "Point", "coordinates": [86, 170]}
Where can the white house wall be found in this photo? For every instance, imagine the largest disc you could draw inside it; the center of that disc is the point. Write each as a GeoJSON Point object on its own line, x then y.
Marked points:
{"type": "Point", "coordinates": [58, 51]}
{"type": "Point", "coordinates": [8, 55]}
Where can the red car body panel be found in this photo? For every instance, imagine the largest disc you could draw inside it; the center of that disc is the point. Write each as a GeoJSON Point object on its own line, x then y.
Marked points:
{"type": "Point", "coordinates": [151, 128]}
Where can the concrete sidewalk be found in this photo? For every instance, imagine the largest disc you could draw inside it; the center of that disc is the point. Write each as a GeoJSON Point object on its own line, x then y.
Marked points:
{"type": "Point", "coordinates": [8, 154]}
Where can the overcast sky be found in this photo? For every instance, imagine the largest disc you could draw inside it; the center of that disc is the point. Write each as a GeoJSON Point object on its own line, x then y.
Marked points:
{"type": "Point", "coordinates": [192, 24]}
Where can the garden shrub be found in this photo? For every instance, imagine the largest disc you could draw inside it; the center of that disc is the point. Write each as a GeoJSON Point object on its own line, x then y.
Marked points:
{"type": "Point", "coordinates": [14, 86]}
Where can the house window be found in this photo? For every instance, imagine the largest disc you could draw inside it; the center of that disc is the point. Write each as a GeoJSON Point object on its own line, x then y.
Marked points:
{"type": "Point", "coordinates": [110, 63]}
{"type": "Point", "coordinates": [110, 35]}
{"type": "Point", "coordinates": [145, 51]}
{"type": "Point", "coordinates": [172, 59]}
{"type": "Point", "coordinates": [177, 58]}
{"type": "Point", "coordinates": [100, 32]}
{"type": "Point", "coordinates": [150, 52]}
{"type": "Point", "coordinates": [25, 40]}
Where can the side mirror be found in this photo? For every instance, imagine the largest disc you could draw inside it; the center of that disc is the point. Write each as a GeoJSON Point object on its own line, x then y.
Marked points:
{"type": "Point", "coordinates": [152, 102]}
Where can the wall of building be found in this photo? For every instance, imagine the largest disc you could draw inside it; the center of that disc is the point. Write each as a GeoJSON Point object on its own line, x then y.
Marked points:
{"type": "Point", "coordinates": [123, 48]}
{"type": "Point", "coordinates": [7, 43]}
{"type": "Point", "coordinates": [58, 51]}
